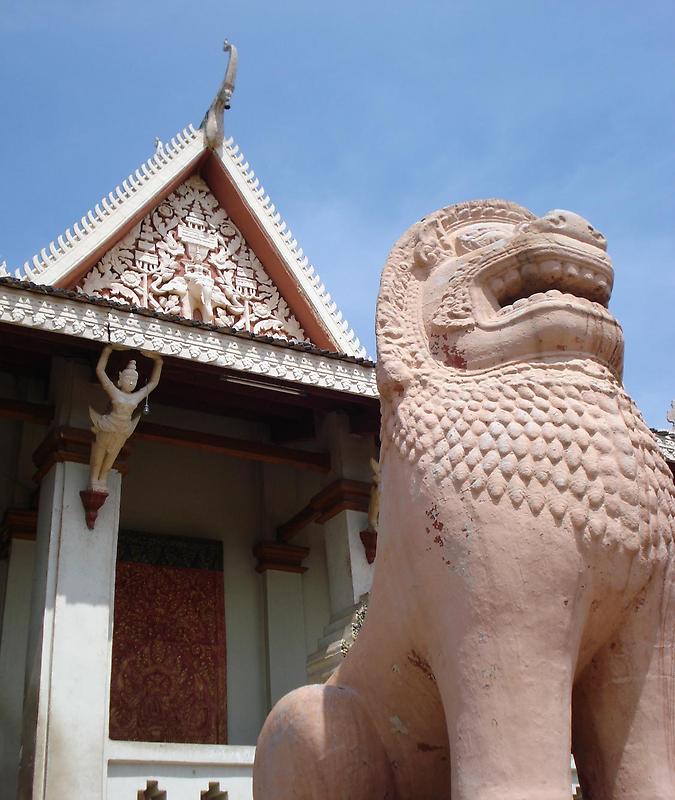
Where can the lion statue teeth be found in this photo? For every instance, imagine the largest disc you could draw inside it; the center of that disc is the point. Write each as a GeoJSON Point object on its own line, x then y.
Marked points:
{"type": "Point", "coordinates": [522, 602]}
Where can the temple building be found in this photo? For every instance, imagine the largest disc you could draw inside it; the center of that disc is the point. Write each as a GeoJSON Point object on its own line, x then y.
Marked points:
{"type": "Point", "coordinates": [150, 617]}
{"type": "Point", "coordinates": [146, 635]}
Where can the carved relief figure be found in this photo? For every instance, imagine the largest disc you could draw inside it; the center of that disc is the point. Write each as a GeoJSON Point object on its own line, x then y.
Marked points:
{"type": "Point", "coordinates": [187, 258]}
{"type": "Point", "coordinates": [113, 428]}
{"type": "Point", "coordinates": [523, 595]}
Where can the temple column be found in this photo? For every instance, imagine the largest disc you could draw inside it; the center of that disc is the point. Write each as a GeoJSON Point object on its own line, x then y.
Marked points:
{"type": "Point", "coordinates": [349, 573]}
{"type": "Point", "coordinates": [344, 506]}
{"type": "Point", "coordinates": [349, 580]}
{"type": "Point", "coordinates": [68, 668]}
{"type": "Point", "coordinates": [69, 644]}
{"type": "Point", "coordinates": [281, 568]}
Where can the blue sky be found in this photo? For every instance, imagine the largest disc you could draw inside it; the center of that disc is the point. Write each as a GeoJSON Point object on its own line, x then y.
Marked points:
{"type": "Point", "coordinates": [362, 117]}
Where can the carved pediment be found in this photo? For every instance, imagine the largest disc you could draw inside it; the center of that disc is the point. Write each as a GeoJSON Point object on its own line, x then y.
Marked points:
{"type": "Point", "coordinates": [187, 257]}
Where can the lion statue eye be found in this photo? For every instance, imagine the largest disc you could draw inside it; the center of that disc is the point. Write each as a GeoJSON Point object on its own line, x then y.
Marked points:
{"type": "Point", "coordinates": [478, 236]}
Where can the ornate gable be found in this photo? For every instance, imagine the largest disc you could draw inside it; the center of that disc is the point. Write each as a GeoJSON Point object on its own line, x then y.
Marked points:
{"type": "Point", "coordinates": [194, 253]}
{"type": "Point", "coordinates": [187, 257]}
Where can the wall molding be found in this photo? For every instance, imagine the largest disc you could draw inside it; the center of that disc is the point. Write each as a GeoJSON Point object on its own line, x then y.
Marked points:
{"type": "Point", "coordinates": [279, 556]}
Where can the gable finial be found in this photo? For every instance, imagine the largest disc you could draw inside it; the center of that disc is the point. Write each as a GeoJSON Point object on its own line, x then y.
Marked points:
{"type": "Point", "coordinates": [213, 121]}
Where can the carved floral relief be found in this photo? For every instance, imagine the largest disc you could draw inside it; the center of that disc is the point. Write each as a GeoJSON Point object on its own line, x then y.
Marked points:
{"type": "Point", "coordinates": [188, 258]}
{"type": "Point", "coordinates": [168, 655]}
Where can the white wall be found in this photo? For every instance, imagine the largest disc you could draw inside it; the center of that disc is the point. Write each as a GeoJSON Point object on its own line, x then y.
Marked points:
{"type": "Point", "coordinates": [314, 586]}
{"type": "Point", "coordinates": [182, 771]}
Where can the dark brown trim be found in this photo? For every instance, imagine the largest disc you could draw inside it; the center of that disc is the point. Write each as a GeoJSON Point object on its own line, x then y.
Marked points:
{"type": "Point", "coordinates": [26, 412]}
{"type": "Point", "coordinates": [341, 495]}
{"type": "Point", "coordinates": [240, 448]}
{"type": "Point", "coordinates": [18, 523]}
{"type": "Point", "coordinates": [64, 443]}
{"type": "Point", "coordinates": [280, 557]}
{"type": "Point", "coordinates": [369, 540]}
{"type": "Point", "coordinates": [73, 444]}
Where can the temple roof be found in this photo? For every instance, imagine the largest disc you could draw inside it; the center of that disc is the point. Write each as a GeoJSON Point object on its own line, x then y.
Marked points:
{"type": "Point", "coordinates": [266, 258]}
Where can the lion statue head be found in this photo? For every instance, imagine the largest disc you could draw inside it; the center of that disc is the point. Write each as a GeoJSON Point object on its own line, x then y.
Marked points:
{"type": "Point", "coordinates": [486, 283]}
{"type": "Point", "coordinates": [499, 369]}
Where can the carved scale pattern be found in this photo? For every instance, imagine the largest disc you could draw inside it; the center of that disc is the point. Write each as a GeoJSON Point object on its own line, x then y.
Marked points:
{"type": "Point", "coordinates": [568, 444]}
{"type": "Point", "coordinates": [187, 257]}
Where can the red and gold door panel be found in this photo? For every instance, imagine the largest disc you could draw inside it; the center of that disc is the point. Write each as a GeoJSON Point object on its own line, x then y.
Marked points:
{"type": "Point", "coordinates": [168, 655]}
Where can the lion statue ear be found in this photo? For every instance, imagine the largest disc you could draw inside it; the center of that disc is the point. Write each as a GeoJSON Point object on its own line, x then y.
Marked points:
{"type": "Point", "coordinates": [430, 243]}
{"type": "Point", "coordinates": [397, 352]}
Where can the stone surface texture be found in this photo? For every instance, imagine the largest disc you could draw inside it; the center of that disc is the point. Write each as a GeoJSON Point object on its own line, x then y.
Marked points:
{"type": "Point", "coordinates": [524, 581]}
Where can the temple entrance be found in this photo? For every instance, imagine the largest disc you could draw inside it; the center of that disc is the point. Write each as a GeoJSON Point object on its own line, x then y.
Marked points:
{"type": "Point", "coordinates": [168, 681]}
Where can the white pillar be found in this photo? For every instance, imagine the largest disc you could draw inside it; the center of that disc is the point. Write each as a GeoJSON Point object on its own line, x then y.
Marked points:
{"type": "Point", "coordinates": [349, 578]}
{"type": "Point", "coordinates": [13, 658]}
{"type": "Point", "coordinates": [68, 670]}
{"type": "Point", "coordinates": [282, 570]}
{"type": "Point", "coordinates": [349, 573]}
{"type": "Point", "coordinates": [284, 632]}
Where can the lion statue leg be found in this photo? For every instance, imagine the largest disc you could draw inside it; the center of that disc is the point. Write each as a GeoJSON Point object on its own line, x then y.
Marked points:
{"type": "Point", "coordinates": [293, 761]}
{"type": "Point", "coordinates": [375, 731]}
{"type": "Point", "coordinates": [624, 703]}
{"type": "Point", "coordinates": [502, 626]}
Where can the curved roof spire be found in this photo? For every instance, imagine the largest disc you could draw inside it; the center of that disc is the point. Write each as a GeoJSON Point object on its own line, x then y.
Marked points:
{"type": "Point", "coordinates": [213, 124]}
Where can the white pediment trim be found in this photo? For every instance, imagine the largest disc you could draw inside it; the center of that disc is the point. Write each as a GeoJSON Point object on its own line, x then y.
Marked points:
{"type": "Point", "coordinates": [279, 233]}
{"type": "Point", "coordinates": [102, 224]}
